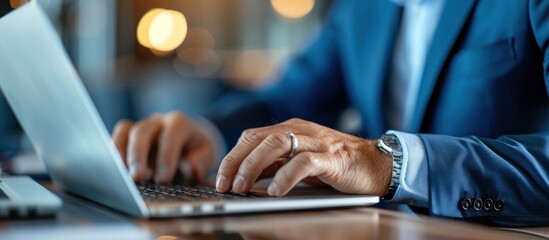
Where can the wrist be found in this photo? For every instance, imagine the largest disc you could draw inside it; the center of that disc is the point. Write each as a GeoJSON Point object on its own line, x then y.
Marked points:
{"type": "Point", "coordinates": [390, 146]}
{"type": "Point", "coordinates": [386, 169]}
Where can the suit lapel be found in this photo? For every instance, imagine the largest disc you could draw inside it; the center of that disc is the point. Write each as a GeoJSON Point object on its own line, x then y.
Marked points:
{"type": "Point", "coordinates": [452, 20]}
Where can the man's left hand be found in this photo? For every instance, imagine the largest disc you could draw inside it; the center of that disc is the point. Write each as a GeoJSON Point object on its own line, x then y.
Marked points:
{"type": "Point", "coordinates": [349, 164]}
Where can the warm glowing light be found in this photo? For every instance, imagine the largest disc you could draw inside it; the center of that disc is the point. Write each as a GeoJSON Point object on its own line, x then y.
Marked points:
{"type": "Point", "coordinates": [209, 64]}
{"type": "Point", "coordinates": [168, 30]}
{"type": "Point", "coordinates": [247, 68]}
{"type": "Point", "coordinates": [144, 26]}
{"type": "Point", "coordinates": [17, 3]}
{"type": "Point", "coordinates": [293, 8]}
{"type": "Point", "coordinates": [197, 48]}
{"type": "Point", "coordinates": [198, 38]}
{"type": "Point", "coordinates": [159, 53]}
{"type": "Point", "coordinates": [166, 238]}
{"type": "Point", "coordinates": [162, 30]}
{"type": "Point", "coordinates": [195, 56]}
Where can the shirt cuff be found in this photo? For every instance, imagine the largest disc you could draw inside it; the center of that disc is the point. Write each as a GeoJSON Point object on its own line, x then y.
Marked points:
{"type": "Point", "coordinates": [413, 188]}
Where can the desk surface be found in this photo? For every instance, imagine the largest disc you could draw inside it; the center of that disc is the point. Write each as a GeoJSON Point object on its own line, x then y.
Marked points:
{"type": "Point", "coordinates": [354, 223]}
{"type": "Point", "coordinates": [81, 219]}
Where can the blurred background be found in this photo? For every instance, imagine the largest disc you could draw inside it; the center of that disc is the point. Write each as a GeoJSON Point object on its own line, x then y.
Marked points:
{"type": "Point", "coordinates": [138, 57]}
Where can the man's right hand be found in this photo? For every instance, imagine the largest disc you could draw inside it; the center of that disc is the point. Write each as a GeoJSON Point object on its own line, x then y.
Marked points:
{"type": "Point", "coordinates": [159, 146]}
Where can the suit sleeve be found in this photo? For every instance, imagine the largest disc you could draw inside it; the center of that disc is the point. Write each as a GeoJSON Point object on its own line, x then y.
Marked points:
{"type": "Point", "coordinates": [511, 169]}
{"type": "Point", "coordinates": [511, 172]}
{"type": "Point", "coordinates": [309, 86]}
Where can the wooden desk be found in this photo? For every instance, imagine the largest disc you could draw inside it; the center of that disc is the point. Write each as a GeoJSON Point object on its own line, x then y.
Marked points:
{"type": "Point", "coordinates": [81, 219]}
{"type": "Point", "coordinates": [354, 223]}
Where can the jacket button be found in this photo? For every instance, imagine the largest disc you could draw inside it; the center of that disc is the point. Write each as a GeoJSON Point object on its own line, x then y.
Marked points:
{"type": "Point", "coordinates": [499, 205]}
{"type": "Point", "coordinates": [466, 203]}
{"type": "Point", "coordinates": [477, 204]}
{"type": "Point", "coordinates": [488, 204]}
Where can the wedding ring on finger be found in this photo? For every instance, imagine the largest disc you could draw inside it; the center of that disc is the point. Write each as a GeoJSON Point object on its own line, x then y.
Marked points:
{"type": "Point", "coordinates": [294, 145]}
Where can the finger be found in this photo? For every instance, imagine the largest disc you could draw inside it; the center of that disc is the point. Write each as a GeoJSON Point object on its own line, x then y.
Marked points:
{"type": "Point", "coordinates": [230, 164]}
{"type": "Point", "coordinates": [271, 170]}
{"type": "Point", "coordinates": [174, 135]}
{"type": "Point", "coordinates": [197, 163]}
{"type": "Point", "coordinates": [273, 147]}
{"type": "Point", "coordinates": [187, 170]}
{"type": "Point", "coordinates": [301, 166]}
{"type": "Point", "coordinates": [141, 137]}
{"type": "Point", "coordinates": [120, 137]}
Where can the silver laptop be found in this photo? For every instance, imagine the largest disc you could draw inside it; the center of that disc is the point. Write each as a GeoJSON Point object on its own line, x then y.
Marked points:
{"type": "Point", "coordinates": [53, 107]}
{"type": "Point", "coordinates": [22, 197]}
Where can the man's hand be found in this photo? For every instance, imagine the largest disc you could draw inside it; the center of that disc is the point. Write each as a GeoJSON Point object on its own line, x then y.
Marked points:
{"type": "Point", "coordinates": [161, 145]}
{"type": "Point", "coordinates": [347, 163]}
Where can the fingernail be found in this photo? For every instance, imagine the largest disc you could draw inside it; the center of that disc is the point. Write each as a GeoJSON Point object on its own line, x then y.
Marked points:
{"type": "Point", "coordinates": [148, 174]}
{"type": "Point", "coordinates": [132, 159]}
{"type": "Point", "coordinates": [238, 185]}
{"type": "Point", "coordinates": [134, 168]}
{"type": "Point", "coordinates": [221, 183]}
{"type": "Point", "coordinates": [186, 169]}
{"type": "Point", "coordinates": [161, 172]}
{"type": "Point", "coordinates": [273, 189]}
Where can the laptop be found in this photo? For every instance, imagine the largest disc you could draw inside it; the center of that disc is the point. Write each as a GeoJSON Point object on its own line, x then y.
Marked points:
{"type": "Point", "coordinates": [22, 197]}
{"type": "Point", "coordinates": [55, 111]}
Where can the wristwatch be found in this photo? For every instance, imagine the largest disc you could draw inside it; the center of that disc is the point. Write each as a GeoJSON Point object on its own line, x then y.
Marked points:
{"type": "Point", "coordinates": [390, 144]}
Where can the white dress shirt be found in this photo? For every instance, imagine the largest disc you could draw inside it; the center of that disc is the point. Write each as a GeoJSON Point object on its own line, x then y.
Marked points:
{"type": "Point", "coordinates": [418, 24]}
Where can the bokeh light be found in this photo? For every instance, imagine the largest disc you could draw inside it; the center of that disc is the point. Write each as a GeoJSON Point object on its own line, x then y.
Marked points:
{"type": "Point", "coordinates": [197, 56]}
{"type": "Point", "coordinates": [159, 53]}
{"type": "Point", "coordinates": [198, 38]}
{"type": "Point", "coordinates": [248, 68]}
{"type": "Point", "coordinates": [197, 49]}
{"type": "Point", "coordinates": [293, 9]}
{"type": "Point", "coordinates": [144, 26]}
{"type": "Point", "coordinates": [209, 66]}
{"type": "Point", "coordinates": [166, 237]}
{"type": "Point", "coordinates": [162, 30]}
{"type": "Point", "coordinates": [17, 3]}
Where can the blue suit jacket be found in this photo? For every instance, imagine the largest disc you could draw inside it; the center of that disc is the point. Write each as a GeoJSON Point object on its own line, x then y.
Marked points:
{"type": "Point", "coordinates": [480, 111]}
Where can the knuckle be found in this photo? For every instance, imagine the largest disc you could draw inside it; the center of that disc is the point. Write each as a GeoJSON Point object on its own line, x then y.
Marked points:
{"type": "Point", "coordinates": [325, 147]}
{"type": "Point", "coordinates": [276, 140]}
{"type": "Point", "coordinates": [155, 116]}
{"type": "Point", "coordinates": [176, 124]}
{"type": "Point", "coordinates": [124, 123]}
{"type": "Point", "coordinates": [332, 148]}
{"type": "Point", "coordinates": [121, 129]}
{"type": "Point", "coordinates": [139, 128]}
{"type": "Point", "coordinates": [308, 159]}
{"type": "Point", "coordinates": [296, 121]}
{"type": "Point", "coordinates": [176, 116]}
{"type": "Point", "coordinates": [291, 120]}
{"type": "Point", "coordinates": [229, 161]}
{"type": "Point", "coordinates": [249, 136]}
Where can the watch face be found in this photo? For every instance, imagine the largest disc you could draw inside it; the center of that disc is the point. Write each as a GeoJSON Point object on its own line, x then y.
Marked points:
{"type": "Point", "coordinates": [392, 142]}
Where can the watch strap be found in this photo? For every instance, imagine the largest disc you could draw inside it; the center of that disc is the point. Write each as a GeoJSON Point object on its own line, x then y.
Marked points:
{"type": "Point", "coordinates": [396, 157]}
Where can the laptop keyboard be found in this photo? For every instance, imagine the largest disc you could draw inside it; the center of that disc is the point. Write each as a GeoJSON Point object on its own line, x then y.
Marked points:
{"type": "Point", "coordinates": [190, 192]}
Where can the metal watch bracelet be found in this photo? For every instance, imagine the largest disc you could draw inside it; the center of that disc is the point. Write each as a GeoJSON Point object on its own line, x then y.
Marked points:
{"type": "Point", "coordinates": [390, 144]}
